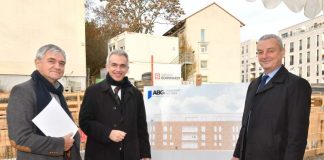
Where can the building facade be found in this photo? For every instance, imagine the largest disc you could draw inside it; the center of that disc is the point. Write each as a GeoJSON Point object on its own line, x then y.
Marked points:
{"type": "Point", "coordinates": [195, 132]}
{"type": "Point", "coordinates": [213, 34]}
{"type": "Point", "coordinates": [250, 67]}
{"type": "Point", "coordinates": [304, 44]}
{"type": "Point", "coordinates": [27, 25]}
{"type": "Point", "coordinates": [142, 49]}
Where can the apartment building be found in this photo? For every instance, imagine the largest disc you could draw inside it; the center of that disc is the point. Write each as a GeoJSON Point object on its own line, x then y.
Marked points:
{"type": "Point", "coordinates": [27, 25]}
{"type": "Point", "coordinates": [304, 44]}
{"type": "Point", "coordinates": [250, 67]}
{"type": "Point", "coordinates": [214, 36]}
{"type": "Point", "coordinates": [141, 48]}
{"type": "Point", "coordinates": [194, 131]}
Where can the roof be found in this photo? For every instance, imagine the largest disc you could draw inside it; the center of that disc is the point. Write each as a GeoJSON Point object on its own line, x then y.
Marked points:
{"type": "Point", "coordinates": [182, 22]}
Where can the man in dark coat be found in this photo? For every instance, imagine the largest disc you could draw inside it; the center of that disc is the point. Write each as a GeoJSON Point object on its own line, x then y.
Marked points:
{"type": "Point", "coordinates": [28, 99]}
{"type": "Point", "coordinates": [276, 114]}
{"type": "Point", "coordinates": [113, 116]}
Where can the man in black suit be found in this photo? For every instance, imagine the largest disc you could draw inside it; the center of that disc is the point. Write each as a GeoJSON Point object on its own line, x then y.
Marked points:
{"type": "Point", "coordinates": [113, 116]}
{"type": "Point", "coordinates": [276, 114]}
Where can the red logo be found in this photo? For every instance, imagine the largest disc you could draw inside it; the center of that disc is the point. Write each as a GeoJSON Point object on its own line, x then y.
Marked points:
{"type": "Point", "coordinates": [157, 76]}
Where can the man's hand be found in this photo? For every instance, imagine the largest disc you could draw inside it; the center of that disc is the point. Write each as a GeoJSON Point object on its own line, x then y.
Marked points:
{"type": "Point", "coordinates": [146, 159]}
{"type": "Point", "coordinates": [68, 141]}
{"type": "Point", "coordinates": [117, 135]}
{"type": "Point", "coordinates": [234, 158]}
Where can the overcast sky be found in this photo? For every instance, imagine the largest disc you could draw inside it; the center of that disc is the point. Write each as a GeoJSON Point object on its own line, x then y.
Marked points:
{"type": "Point", "coordinates": [206, 99]}
{"type": "Point", "coordinates": [257, 19]}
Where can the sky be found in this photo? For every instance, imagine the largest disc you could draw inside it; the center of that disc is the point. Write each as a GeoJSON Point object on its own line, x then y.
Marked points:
{"type": "Point", "coordinates": [225, 98]}
{"type": "Point", "coordinates": [257, 19]}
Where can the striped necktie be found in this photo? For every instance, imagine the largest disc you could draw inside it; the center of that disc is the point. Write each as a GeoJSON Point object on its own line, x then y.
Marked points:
{"type": "Point", "coordinates": [116, 90]}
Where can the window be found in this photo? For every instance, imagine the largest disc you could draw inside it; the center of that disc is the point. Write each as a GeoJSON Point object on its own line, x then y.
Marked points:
{"type": "Point", "coordinates": [300, 71]}
{"type": "Point", "coordinates": [203, 137]}
{"type": "Point", "coordinates": [308, 71]}
{"type": "Point", "coordinates": [202, 35]}
{"type": "Point", "coordinates": [203, 64]}
{"type": "Point", "coordinates": [300, 58]}
{"type": "Point", "coordinates": [317, 40]}
{"type": "Point", "coordinates": [308, 57]}
{"type": "Point", "coordinates": [317, 55]}
{"type": "Point", "coordinates": [317, 70]}
{"type": "Point", "coordinates": [203, 48]}
{"type": "Point", "coordinates": [284, 35]}
{"type": "Point", "coordinates": [165, 136]}
{"type": "Point", "coordinates": [300, 44]}
{"type": "Point", "coordinates": [242, 50]}
{"type": "Point", "coordinates": [203, 129]}
{"type": "Point", "coordinates": [165, 129]}
{"type": "Point", "coordinates": [308, 42]}
{"type": "Point", "coordinates": [189, 129]}
{"type": "Point", "coordinates": [291, 47]}
{"type": "Point", "coordinates": [291, 62]}
{"type": "Point", "coordinates": [204, 78]}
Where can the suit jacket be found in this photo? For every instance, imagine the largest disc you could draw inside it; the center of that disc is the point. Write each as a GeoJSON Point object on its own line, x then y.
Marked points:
{"type": "Point", "coordinates": [100, 113]}
{"type": "Point", "coordinates": [22, 132]}
{"type": "Point", "coordinates": [275, 119]}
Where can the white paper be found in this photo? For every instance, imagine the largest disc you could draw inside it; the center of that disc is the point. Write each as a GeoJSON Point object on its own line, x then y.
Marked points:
{"type": "Point", "coordinates": [54, 122]}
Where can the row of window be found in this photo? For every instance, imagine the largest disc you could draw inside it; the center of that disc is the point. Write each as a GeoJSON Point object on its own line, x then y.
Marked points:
{"type": "Point", "coordinates": [308, 59]}
{"type": "Point", "coordinates": [192, 129]}
{"type": "Point", "coordinates": [308, 44]}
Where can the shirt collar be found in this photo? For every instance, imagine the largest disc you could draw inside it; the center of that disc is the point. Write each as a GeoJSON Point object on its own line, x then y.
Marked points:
{"type": "Point", "coordinates": [271, 74]}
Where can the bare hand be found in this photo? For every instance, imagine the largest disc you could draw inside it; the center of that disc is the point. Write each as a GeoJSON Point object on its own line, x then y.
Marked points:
{"type": "Point", "coordinates": [68, 141]}
{"type": "Point", "coordinates": [146, 159]}
{"type": "Point", "coordinates": [234, 158]}
{"type": "Point", "coordinates": [117, 135]}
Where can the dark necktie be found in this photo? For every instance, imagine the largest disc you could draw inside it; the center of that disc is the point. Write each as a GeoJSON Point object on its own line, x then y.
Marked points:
{"type": "Point", "coordinates": [263, 82]}
{"type": "Point", "coordinates": [116, 90]}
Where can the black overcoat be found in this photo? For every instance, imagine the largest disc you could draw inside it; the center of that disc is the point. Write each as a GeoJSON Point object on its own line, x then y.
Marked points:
{"type": "Point", "coordinates": [279, 117]}
{"type": "Point", "coordinates": [100, 113]}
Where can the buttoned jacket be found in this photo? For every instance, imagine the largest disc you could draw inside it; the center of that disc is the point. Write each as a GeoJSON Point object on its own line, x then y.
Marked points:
{"type": "Point", "coordinates": [275, 120]}
{"type": "Point", "coordinates": [100, 114]}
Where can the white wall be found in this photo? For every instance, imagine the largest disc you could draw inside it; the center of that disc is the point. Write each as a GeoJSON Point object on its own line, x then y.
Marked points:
{"type": "Point", "coordinates": [140, 47]}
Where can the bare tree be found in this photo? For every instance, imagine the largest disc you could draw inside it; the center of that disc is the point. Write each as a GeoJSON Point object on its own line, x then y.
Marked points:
{"type": "Point", "coordinates": [116, 16]}
{"type": "Point", "coordinates": [138, 15]}
{"type": "Point", "coordinates": [187, 58]}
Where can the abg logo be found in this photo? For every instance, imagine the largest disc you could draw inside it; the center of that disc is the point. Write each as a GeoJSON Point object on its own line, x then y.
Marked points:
{"type": "Point", "coordinates": [158, 92]}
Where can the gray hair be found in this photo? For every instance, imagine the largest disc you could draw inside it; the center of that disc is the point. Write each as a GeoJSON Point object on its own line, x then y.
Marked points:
{"type": "Point", "coordinates": [277, 38]}
{"type": "Point", "coordinates": [49, 47]}
{"type": "Point", "coordinates": [117, 52]}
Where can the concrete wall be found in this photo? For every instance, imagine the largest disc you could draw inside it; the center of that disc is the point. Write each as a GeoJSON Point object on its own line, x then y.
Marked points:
{"type": "Point", "coordinates": [140, 48]}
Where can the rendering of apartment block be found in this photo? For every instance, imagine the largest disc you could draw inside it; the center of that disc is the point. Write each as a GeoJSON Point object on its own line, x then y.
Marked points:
{"type": "Point", "coordinates": [304, 44]}
{"type": "Point", "coordinates": [195, 132]}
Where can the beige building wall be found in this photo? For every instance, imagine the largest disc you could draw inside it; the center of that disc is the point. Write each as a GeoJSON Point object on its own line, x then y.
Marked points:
{"type": "Point", "coordinates": [28, 24]}
{"type": "Point", "coordinates": [214, 35]}
{"type": "Point", "coordinates": [140, 47]}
